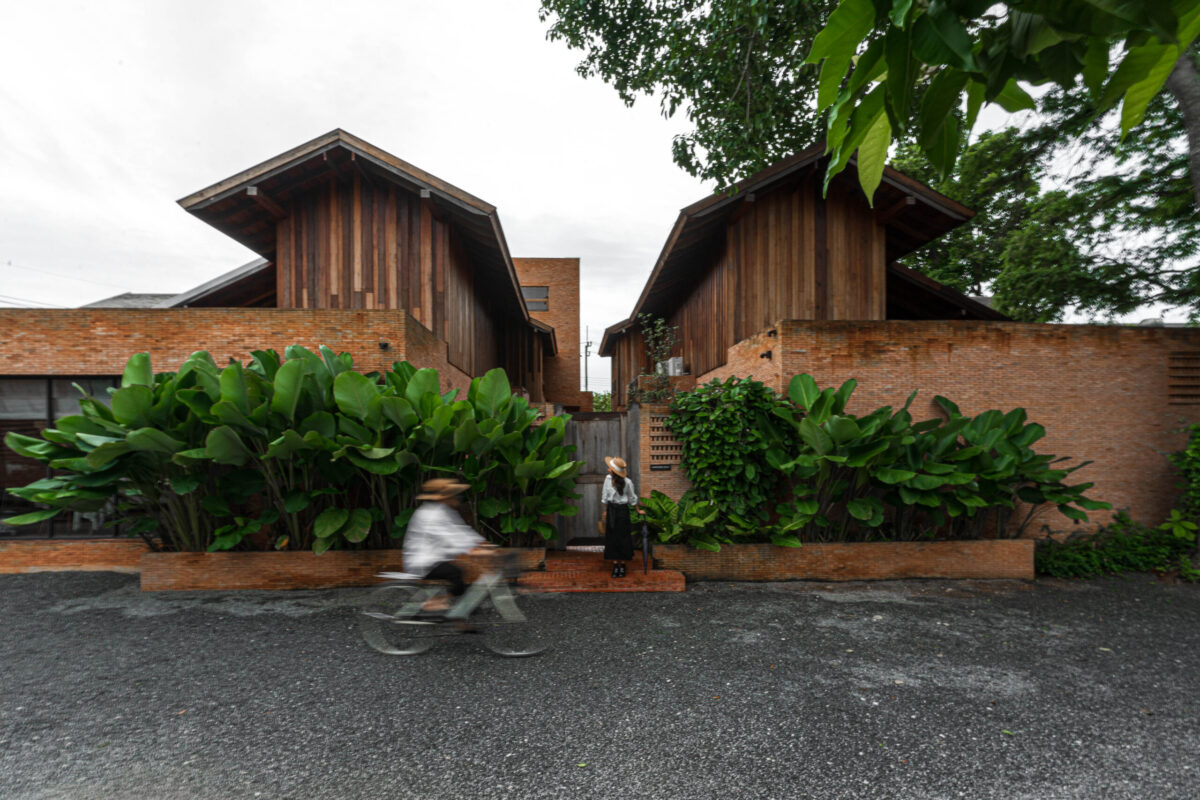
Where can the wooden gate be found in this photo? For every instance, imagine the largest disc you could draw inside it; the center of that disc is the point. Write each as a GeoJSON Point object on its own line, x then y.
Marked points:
{"type": "Point", "coordinates": [596, 435]}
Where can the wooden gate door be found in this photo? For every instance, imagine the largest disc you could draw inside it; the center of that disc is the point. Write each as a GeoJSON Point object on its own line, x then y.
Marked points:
{"type": "Point", "coordinates": [595, 435]}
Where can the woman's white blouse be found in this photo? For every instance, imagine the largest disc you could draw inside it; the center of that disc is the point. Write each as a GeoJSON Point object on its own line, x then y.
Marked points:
{"type": "Point", "coordinates": [609, 493]}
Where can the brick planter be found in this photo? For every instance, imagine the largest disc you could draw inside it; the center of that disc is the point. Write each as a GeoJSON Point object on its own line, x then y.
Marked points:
{"type": "Point", "coordinates": [860, 561]}
{"type": "Point", "coordinates": [71, 555]}
{"type": "Point", "coordinates": [285, 570]}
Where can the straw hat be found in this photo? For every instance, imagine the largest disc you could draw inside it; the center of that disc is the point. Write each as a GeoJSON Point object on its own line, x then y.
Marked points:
{"type": "Point", "coordinates": [441, 489]}
{"type": "Point", "coordinates": [617, 465]}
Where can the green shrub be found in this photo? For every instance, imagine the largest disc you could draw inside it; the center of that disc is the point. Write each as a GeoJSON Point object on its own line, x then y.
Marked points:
{"type": "Point", "coordinates": [726, 430]}
{"type": "Point", "coordinates": [1122, 546]}
{"type": "Point", "coordinates": [879, 476]}
{"type": "Point", "coordinates": [325, 456]}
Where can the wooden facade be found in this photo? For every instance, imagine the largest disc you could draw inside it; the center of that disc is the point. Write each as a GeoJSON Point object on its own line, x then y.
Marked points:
{"type": "Point", "coordinates": [737, 263]}
{"type": "Point", "coordinates": [342, 224]}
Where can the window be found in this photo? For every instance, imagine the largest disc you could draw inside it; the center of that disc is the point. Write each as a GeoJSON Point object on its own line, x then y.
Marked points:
{"type": "Point", "coordinates": [537, 298]}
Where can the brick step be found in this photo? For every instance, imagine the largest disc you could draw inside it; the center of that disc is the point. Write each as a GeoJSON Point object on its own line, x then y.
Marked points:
{"type": "Point", "coordinates": [557, 561]}
{"type": "Point", "coordinates": [591, 580]}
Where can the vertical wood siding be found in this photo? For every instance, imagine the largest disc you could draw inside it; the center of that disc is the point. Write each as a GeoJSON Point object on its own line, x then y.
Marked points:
{"type": "Point", "coordinates": [359, 243]}
{"type": "Point", "coordinates": [789, 254]}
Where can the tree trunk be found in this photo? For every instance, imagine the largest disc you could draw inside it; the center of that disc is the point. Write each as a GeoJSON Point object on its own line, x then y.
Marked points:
{"type": "Point", "coordinates": [1184, 84]}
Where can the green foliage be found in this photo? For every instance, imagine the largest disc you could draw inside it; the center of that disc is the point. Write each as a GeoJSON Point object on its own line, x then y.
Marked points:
{"type": "Point", "coordinates": [726, 430]}
{"type": "Point", "coordinates": [894, 66]}
{"type": "Point", "coordinates": [1123, 546]}
{"type": "Point", "coordinates": [602, 401]}
{"type": "Point", "coordinates": [1119, 230]}
{"type": "Point", "coordinates": [206, 457]}
{"type": "Point", "coordinates": [731, 66]}
{"type": "Point", "coordinates": [688, 520]}
{"type": "Point", "coordinates": [835, 476]}
{"type": "Point", "coordinates": [660, 338]}
{"type": "Point", "coordinates": [1187, 464]}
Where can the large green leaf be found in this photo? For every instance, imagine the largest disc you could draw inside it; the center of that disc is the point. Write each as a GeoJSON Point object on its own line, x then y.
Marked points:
{"type": "Point", "coordinates": [329, 522]}
{"type": "Point", "coordinates": [489, 393]}
{"type": "Point", "coordinates": [353, 392]}
{"type": "Point", "coordinates": [358, 525]}
{"type": "Point", "coordinates": [872, 155]}
{"type": "Point", "coordinates": [939, 37]}
{"type": "Point", "coordinates": [138, 371]}
{"type": "Point", "coordinates": [131, 405]}
{"type": "Point", "coordinates": [32, 517]}
{"type": "Point", "coordinates": [288, 384]}
{"type": "Point", "coordinates": [224, 446]}
{"type": "Point", "coordinates": [803, 391]}
{"type": "Point", "coordinates": [153, 440]}
{"type": "Point", "coordinates": [423, 382]}
{"type": "Point", "coordinates": [848, 25]}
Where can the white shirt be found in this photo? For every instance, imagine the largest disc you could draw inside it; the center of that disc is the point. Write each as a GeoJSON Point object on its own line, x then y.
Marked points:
{"type": "Point", "coordinates": [436, 533]}
{"type": "Point", "coordinates": [609, 493]}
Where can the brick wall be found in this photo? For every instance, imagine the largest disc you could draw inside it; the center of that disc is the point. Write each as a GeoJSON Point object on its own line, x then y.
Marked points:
{"type": "Point", "coordinates": [67, 555]}
{"type": "Point", "coordinates": [994, 558]}
{"type": "Point", "coordinates": [658, 448]}
{"type": "Point", "coordinates": [1100, 391]}
{"type": "Point", "coordinates": [100, 341]}
{"type": "Point", "coordinates": [561, 277]}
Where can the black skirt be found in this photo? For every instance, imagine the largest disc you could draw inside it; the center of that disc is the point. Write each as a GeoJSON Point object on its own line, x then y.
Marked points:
{"type": "Point", "coordinates": [618, 539]}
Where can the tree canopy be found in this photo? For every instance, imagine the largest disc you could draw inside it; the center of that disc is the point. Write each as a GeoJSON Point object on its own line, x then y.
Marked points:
{"type": "Point", "coordinates": [911, 64]}
{"type": "Point", "coordinates": [1070, 212]}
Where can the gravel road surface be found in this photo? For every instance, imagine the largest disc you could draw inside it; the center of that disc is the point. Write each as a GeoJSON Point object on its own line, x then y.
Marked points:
{"type": "Point", "coordinates": [889, 690]}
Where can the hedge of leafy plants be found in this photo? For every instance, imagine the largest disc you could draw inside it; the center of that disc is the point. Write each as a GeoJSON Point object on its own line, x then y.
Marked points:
{"type": "Point", "coordinates": [801, 468]}
{"type": "Point", "coordinates": [1123, 546]}
{"type": "Point", "coordinates": [305, 447]}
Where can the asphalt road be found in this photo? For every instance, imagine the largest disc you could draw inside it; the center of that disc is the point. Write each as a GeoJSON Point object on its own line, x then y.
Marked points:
{"type": "Point", "coordinates": [895, 690]}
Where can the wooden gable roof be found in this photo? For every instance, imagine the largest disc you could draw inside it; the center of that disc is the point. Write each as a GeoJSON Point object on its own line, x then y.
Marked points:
{"type": "Point", "coordinates": [912, 213]}
{"type": "Point", "coordinates": [247, 206]}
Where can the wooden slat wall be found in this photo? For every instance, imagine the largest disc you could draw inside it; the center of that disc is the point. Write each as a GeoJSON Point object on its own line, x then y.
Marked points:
{"type": "Point", "coordinates": [357, 242]}
{"type": "Point", "coordinates": [789, 254]}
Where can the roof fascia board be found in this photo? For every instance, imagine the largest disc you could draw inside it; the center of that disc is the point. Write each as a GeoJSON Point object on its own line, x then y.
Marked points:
{"type": "Point", "coordinates": [408, 174]}
{"type": "Point", "coordinates": [220, 282]}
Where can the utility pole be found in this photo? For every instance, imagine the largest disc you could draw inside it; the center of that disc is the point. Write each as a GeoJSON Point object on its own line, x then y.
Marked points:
{"type": "Point", "coordinates": [587, 350]}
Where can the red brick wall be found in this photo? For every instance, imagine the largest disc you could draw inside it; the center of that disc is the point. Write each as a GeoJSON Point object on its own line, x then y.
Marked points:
{"type": "Point", "coordinates": [561, 277]}
{"type": "Point", "coordinates": [230, 571]}
{"type": "Point", "coordinates": [66, 555]}
{"type": "Point", "coordinates": [993, 558]}
{"type": "Point", "coordinates": [656, 446]}
{"type": "Point", "coordinates": [100, 341]}
{"type": "Point", "coordinates": [1100, 391]}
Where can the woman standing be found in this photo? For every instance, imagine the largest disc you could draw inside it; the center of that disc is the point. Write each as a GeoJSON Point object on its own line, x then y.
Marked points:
{"type": "Point", "coordinates": [618, 496]}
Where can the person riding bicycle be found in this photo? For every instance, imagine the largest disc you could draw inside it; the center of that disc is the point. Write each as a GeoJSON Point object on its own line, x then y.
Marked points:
{"type": "Point", "coordinates": [436, 535]}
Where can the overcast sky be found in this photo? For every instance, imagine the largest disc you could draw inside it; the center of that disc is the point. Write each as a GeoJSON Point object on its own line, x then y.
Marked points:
{"type": "Point", "coordinates": [113, 111]}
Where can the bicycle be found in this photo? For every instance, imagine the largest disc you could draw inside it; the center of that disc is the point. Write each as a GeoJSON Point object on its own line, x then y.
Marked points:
{"type": "Point", "coordinates": [394, 624]}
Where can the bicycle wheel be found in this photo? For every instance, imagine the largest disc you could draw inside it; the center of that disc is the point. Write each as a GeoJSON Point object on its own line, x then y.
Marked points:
{"type": "Point", "coordinates": [505, 630]}
{"type": "Point", "coordinates": [389, 623]}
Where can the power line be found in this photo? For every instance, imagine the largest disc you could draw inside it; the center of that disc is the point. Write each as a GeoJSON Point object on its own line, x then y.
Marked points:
{"type": "Point", "coordinates": [22, 302]}
{"type": "Point", "coordinates": [68, 277]}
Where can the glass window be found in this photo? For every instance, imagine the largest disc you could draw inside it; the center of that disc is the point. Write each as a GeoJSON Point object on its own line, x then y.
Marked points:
{"type": "Point", "coordinates": [65, 397]}
{"type": "Point", "coordinates": [23, 398]}
{"type": "Point", "coordinates": [535, 292]}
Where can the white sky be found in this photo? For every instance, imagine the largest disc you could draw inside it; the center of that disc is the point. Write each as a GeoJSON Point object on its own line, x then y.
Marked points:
{"type": "Point", "coordinates": [110, 112]}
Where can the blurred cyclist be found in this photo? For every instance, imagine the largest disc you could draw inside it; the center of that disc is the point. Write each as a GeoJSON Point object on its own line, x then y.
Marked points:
{"type": "Point", "coordinates": [437, 535]}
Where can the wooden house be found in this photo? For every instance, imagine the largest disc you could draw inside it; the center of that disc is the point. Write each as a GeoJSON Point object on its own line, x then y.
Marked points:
{"type": "Point", "coordinates": [342, 224]}
{"type": "Point", "coordinates": [738, 262]}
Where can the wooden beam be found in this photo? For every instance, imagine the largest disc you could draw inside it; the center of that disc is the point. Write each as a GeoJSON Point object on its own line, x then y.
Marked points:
{"type": "Point", "coordinates": [270, 206]}
{"type": "Point", "coordinates": [886, 215]}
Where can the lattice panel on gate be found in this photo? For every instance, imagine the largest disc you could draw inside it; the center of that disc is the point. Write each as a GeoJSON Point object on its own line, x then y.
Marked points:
{"type": "Point", "coordinates": [1183, 379]}
{"type": "Point", "coordinates": [664, 447]}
